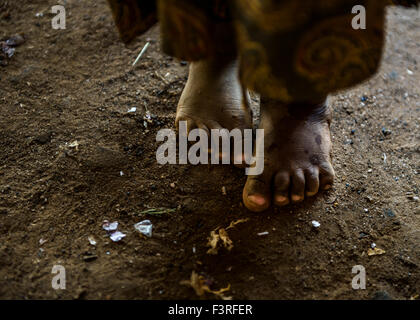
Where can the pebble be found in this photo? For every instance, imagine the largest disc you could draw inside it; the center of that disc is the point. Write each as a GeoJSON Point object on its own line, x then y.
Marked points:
{"type": "Point", "coordinates": [386, 132]}
{"type": "Point", "coordinates": [389, 213]}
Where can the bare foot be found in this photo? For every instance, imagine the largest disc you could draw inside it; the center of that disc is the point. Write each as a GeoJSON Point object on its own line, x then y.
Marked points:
{"type": "Point", "coordinates": [297, 160]}
{"type": "Point", "coordinates": [213, 97]}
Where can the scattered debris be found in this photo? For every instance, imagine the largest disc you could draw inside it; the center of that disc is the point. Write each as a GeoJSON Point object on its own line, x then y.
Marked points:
{"type": "Point", "coordinates": [133, 109]}
{"type": "Point", "coordinates": [234, 223]}
{"type": "Point", "coordinates": [144, 227]}
{"type": "Point", "coordinates": [141, 53]}
{"type": "Point", "coordinates": [386, 132]}
{"type": "Point", "coordinates": [117, 236]}
{"type": "Point", "coordinates": [224, 190]}
{"type": "Point", "coordinates": [89, 257]}
{"type": "Point", "coordinates": [111, 229]}
{"type": "Point", "coordinates": [411, 196]}
{"type": "Point", "coordinates": [7, 47]}
{"type": "Point", "coordinates": [315, 224]}
{"type": "Point", "coordinates": [42, 241]}
{"type": "Point", "coordinates": [220, 238]}
{"type": "Point", "coordinates": [263, 233]}
{"type": "Point", "coordinates": [148, 118]}
{"type": "Point", "coordinates": [198, 283]}
{"type": "Point", "coordinates": [172, 185]}
{"type": "Point", "coordinates": [158, 211]}
{"type": "Point", "coordinates": [121, 173]}
{"type": "Point", "coordinates": [107, 226]}
{"type": "Point", "coordinates": [389, 213]}
{"type": "Point", "coordinates": [92, 240]}
{"type": "Point", "coordinates": [373, 245]}
{"type": "Point", "coordinates": [375, 251]}
{"type": "Point", "coordinates": [39, 14]}
{"type": "Point", "coordinates": [410, 72]}
{"type": "Point", "coordinates": [74, 144]}
{"type": "Point", "coordinates": [15, 40]}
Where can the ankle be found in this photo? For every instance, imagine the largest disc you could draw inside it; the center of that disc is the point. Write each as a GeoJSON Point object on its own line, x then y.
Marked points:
{"type": "Point", "coordinates": [298, 111]}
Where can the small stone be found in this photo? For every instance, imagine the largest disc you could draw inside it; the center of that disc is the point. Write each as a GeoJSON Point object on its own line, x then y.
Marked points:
{"type": "Point", "coordinates": [15, 40]}
{"type": "Point", "coordinates": [386, 132]}
{"type": "Point", "coordinates": [389, 213]}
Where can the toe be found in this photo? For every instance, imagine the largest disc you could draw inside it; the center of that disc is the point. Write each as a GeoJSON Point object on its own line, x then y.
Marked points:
{"type": "Point", "coordinates": [256, 194]}
{"type": "Point", "coordinates": [185, 123]}
{"type": "Point", "coordinates": [281, 188]}
{"type": "Point", "coordinates": [312, 181]}
{"type": "Point", "coordinates": [326, 176]}
{"type": "Point", "coordinates": [298, 186]}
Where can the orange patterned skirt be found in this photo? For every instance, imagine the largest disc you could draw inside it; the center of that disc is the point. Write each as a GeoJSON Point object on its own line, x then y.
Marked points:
{"type": "Point", "coordinates": [288, 50]}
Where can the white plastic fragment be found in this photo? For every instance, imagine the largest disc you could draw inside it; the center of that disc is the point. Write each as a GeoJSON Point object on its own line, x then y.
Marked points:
{"type": "Point", "coordinates": [92, 240]}
{"type": "Point", "coordinates": [263, 233]}
{"type": "Point", "coordinates": [110, 226]}
{"type": "Point", "coordinates": [315, 224]}
{"type": "Point", "coordinates": [133, 109]}
{"type": "Point", "coordinates": [117, 236]}
{"type": "Point", "coordinates": [373, 245]}
{"type": "Point", "coordinates": [409, 72]}
{"type": "Point", "coordinates": [144, 227]}
{"type": "Point", "coordinates": [111, 229]}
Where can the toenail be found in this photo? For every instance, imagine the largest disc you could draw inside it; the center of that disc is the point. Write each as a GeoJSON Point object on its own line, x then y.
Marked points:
{"type": "Point", "coordinates": [281, 199]}
{"type": "Point", "coordinates": [327, 186]}
{"type": "Point", "coordinates": [296, 198]}
{"type": "Point", "coordinates": [311, 193]}
{"type": "Point", "coordinates": [259, 200]}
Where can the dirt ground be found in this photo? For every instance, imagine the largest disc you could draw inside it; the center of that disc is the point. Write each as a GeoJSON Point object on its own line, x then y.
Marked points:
{"type": "Point", "coordinates": [77, 84]}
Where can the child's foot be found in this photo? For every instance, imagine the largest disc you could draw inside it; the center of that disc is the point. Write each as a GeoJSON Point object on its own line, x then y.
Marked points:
{"type": "Point", "coordinates": [213, 97]}
{"type": "Point", "coordinates": [297, 161]}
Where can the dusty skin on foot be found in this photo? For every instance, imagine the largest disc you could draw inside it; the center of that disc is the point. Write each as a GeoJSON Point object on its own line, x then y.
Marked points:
{"type": "Point", "coordinates": [213, 98]}
{"type": "Point", "coordinates": [297, 161]}
{"type": "Point", "coordinates": [297, 154]}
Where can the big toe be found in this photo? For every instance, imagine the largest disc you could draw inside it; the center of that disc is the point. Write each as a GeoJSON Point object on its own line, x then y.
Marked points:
{"type": "Point", "coordinates": [256, 194]}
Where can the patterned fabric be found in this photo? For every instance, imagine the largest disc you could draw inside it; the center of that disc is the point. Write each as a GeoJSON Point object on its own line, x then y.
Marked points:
{"type": "Point", "coordinates": [289, 50]}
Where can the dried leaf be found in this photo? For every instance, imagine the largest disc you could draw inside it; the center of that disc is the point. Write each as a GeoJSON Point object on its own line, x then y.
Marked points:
{"type": "Point", "coordinates": [227, 242]}
{"type": "Point", "coordinates": [220, 235]}
{"type": "Point", "coordinates": [375, 252]}
{"type": "Point", "coordinates": [234, 223]}
{"type": "Point", "coordinates": [197, 282]}
{"type": "Point", "coordinates": [213, 241]}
